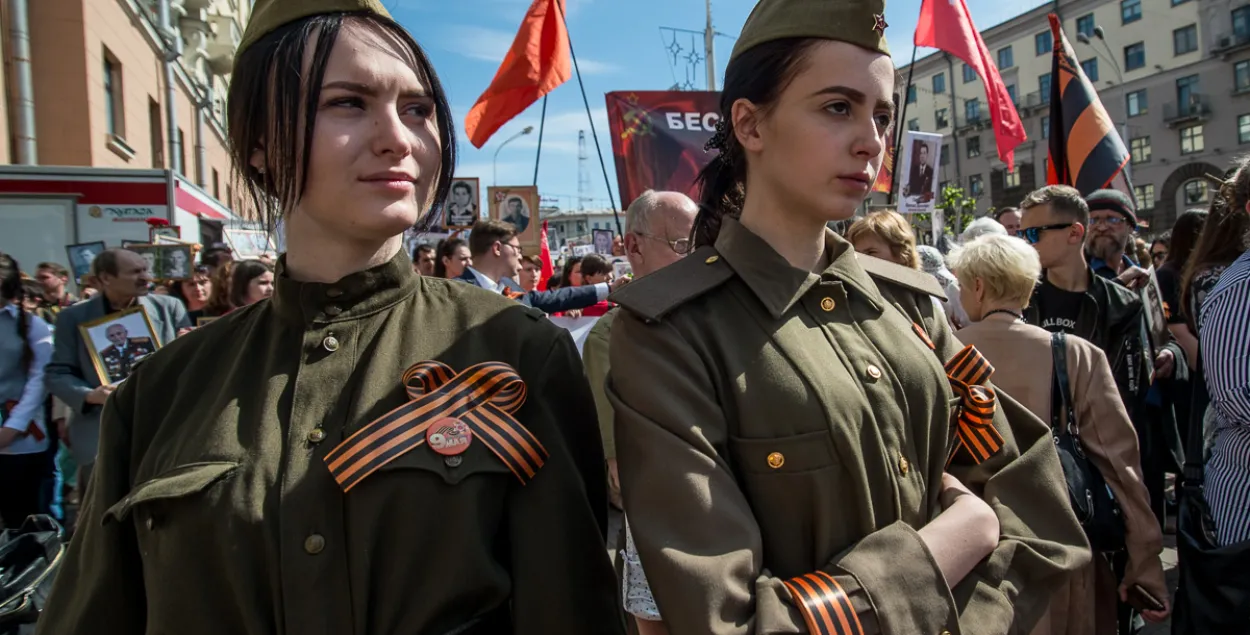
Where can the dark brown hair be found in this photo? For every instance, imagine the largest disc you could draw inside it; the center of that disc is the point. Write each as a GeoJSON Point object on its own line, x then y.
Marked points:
{"type": "Point", "coordinates": [12, 289]}
{"type": "Point", "coordinates": [219, 295]}
{"type": "Point", "coordinates": [446, 249]}
{"type": "Point", "coordinates": [487, 232]}
{"type": "Point", "coordinates": [56, 269]}
{"type": "Point", "coordinates": [759, 75]}
{"type": "Point", "coordinates": [594, 265]}
{"type": "Point", "coordinates": [1226, 233]}
{"type": "Point", "coordinates": [1183, 236]}
{"type": "Point", "coordinates": [244, 273]}
{"type": "Point", "coordinates": [272, 105]}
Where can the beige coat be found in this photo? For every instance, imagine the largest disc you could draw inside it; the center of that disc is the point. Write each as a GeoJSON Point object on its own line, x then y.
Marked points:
{"type": "Point", "coordinates": [1020, 354]}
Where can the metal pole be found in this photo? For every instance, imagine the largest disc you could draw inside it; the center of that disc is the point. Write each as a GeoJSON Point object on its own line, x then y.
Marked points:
{"type": "Point", "coordinates": [19, 32]}
{"type": "Point", "coordinates": [169, 53]}
{"type": "Point", "coordinates": [709, 46]}
{"type": "Point", "coordinates": [542, 123]}
{"type": "Point", "coordinates": [898, 131]}
{"type": "Point", "coordinates": [494, 162]}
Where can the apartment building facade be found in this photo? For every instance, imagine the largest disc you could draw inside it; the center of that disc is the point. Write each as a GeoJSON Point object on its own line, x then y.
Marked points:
{"type": "Point", "coordinates": [100, 134]}
{"type": "Point", "coordinates": [1174, 76]}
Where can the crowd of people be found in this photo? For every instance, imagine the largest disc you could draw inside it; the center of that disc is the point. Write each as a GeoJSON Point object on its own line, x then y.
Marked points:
{"type": "Point", "coordinates": [803, 430]}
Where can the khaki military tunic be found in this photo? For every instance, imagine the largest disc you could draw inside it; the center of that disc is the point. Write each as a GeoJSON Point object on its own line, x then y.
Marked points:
{"type": "Point", "coordinates": [773, 423]}
{"type": "Point", "coordinates": [212, 510]}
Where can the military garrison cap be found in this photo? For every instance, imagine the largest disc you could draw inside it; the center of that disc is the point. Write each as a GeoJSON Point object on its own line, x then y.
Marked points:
{"type": "Point", "coordinates": [268, 15]}
{"type": "Point", "coordinates": [859, 22]}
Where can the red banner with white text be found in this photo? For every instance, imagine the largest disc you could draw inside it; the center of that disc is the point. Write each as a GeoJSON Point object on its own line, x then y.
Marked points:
{"type": "Point", "coordinates": [658, 139]}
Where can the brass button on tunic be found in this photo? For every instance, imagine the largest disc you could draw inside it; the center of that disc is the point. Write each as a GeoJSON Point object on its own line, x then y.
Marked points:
{"type": "Point", "coordinates": [234, 471]}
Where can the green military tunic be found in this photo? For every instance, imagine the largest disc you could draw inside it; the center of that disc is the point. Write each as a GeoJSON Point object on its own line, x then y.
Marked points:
{"type": "Point", "coordinates": [773, 423]}
{"type": "Point", "coordinates": [213, 511]}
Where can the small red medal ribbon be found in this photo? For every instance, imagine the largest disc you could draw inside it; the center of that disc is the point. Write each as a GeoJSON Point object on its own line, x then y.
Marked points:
{"type": "Point", "coordinates": [825, 606]}
{"type": "Point", "coordinates": [975, 433]}
{"type": "Point", "coordinates": [483, 396]}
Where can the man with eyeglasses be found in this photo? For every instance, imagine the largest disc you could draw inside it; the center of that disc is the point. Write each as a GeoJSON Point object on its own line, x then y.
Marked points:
{"type": "Point", "coordinates": [657, 234]}
{"type": "Point", "coordinates": [496, 253]}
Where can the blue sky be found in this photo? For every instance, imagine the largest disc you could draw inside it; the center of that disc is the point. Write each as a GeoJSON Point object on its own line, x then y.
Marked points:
{"type": "Point", "coordinates": [620, 45]}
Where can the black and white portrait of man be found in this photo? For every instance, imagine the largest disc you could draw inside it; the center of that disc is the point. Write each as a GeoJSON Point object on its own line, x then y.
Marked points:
{"type": "Point", "coordinates": [462, 208]}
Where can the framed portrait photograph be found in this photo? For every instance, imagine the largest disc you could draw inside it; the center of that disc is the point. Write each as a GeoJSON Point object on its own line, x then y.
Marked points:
{"type": "Point", "coordinates": [603, 241]}
{"type": "Point", "coordinates": [82, 255]}
{"type": "Point", "coordinates": [151, 254]}
{"type": "Point", "coordinates": [922, 154]}
{"type": "Point", "coordinates": [461, 210]}
{"type": "Point", "coordinates": [249, 243]}
{"type": "Point", "coordinates": [164, 231]}
{"type": "Point", "coordinates": [118, 340]}
{"type": "Point", "coordinates": [176, 261]}
{"type": "Point", "coordinates": [519, 207]}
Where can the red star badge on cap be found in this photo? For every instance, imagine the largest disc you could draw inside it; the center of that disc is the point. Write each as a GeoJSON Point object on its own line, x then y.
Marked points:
{"type": "Point", "coordinates": [878, 24]}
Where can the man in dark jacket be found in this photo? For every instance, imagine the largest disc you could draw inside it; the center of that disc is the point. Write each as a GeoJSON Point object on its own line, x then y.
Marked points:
{"type": "Point", "coordinates": [497, 261]}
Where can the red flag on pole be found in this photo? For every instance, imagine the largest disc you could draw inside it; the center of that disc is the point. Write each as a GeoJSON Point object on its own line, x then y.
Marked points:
{"type": "Point", "coordinates": [947, 25]}
{"type": "Point", "coordinates": [537, 63]}
{"type": "Point", "coordinates": [885, 176]}
{"type": "Point", "coordinates": [544, 255]}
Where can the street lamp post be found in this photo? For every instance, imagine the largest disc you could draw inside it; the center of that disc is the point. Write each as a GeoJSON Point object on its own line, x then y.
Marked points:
{"type": "Point", "coordinates": [1119, 73]}
{"type": "Point", "coordinates": [494, 166]}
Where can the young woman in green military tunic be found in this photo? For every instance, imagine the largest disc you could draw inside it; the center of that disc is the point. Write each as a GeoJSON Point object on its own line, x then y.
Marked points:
{"type": "Point", "coordinates": [373, 452]}
{"type": "Point", "coordinates": [803, 445]}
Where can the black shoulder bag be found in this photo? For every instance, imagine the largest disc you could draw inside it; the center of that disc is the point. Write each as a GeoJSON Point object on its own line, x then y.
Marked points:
{"type": "Point", "coordinates": [1213, 595]}
{"type": "Point", "coordinates": [1093, 502]}
{"type": "Point", "coordinates": [30, 556]}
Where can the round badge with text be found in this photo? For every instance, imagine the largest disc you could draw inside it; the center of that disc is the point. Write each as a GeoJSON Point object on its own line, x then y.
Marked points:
{"type": "Point", "coordinates": [449, 437]}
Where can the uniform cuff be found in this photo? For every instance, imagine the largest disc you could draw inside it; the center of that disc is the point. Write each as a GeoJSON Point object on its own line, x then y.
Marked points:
{"type": "Point", "coordinates": [889, 569]}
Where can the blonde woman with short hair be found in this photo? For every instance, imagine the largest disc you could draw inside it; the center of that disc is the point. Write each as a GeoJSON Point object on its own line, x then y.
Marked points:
{"type": "Point", "coordinates": [996, 276]}
{"type": "Point", "coordinates": [885, 234]}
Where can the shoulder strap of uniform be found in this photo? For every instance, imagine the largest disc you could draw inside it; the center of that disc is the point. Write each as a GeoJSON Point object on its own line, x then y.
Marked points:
{"type": "Point", "coordinates": [912, 279]}
{"type": "Point", "coordinates": [654, 296]}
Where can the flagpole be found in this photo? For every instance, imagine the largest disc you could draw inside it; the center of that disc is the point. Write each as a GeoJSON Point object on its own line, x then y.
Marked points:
{"type": "Point", "coordinates": [898, 136]}
{"type": "Point", "coordinates": [586, 101]}
{"type": "Point", "coordinates": [542, 123]}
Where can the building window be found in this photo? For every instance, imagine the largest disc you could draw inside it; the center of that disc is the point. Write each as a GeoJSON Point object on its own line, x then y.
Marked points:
{"type": "Point", "coordinates": [114, 111]}
{"type": "Point", "coordinates": [1136, 102]}
{"type": "Point", "coordinates": [1005, 58]}
{"type": "Point", "coordinates": [1042, 42]}
{"type": "Point", "coordinates": [1011, 178]}
{"type": "Point", "coordinates": [230, 197]}
{"type": "Point", "coordinates": [156, 133]}
{"type": "Point", "coordinates": [942, 117]}
{"type": "Point", "coordinates": [913, 124]}
{"type": "Point", "coordinates": [974, 147]}
{"type": "Point", "coordinates": [182, 153]}
{"type": "Point", "coordinates": [1090, 66]}
{"type": "Point", "coordinates": [216, 188]}
{"type": "Point", "coordinates": [939, 83]}
{"type": "Point", "coordinates": [1043, 86]}
{"type": "Point", "coordinates": [1241, 75]}
{"type": "Point", "coordinates": [1243, 129]}
{"type": "Point", "coordinates": [1195, 192]}
{"type": "Point", "coordinates": [1134, 56]}
{"type": "Point", "coordinates": [911, 94]}
{"type": "Point", "coordinates": [1241, 23]}
{"type": "Point", "coordinates": [969, 74]}
{"type": "Point", "coordinates": [1011, 92]}
{"type": "Point", "coordinates": [972, 110]}
{"type": "Point", "coordinates": [1130, 11]}
{"type": "Point", "coordinates": [946, 155]}
{"type": "Point", "coordinates": [1186, 93]}
{"type": "Point", "coordinates": [1191, 140]}
{"type": "Point", "coordinates": [1139, 148]}
{"type": "Point", "coordinates": [1046, 127]}
{"type": "Point", "coordinates": [1145, 195]}
{"type": "Point", "coordinates": [1085, 25]}
{"type": "Point", "coordinates": [1185, 40]}
{"type": "Point", "coordinates": [975, 186]}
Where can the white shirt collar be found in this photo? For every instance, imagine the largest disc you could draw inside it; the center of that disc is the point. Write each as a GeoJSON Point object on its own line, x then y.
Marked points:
{"type": "Point", "coordinates": [485, 281]}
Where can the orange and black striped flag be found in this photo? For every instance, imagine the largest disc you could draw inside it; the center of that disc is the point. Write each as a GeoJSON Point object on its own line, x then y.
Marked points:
{"type": "Point", "coordinates": [1086, 151]}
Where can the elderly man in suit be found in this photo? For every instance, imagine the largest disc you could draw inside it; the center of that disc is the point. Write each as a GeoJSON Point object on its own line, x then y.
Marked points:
{"type": "Point", "coordinates": [497, 262]}
{"type": "Point", "coordinates": [123, 277]}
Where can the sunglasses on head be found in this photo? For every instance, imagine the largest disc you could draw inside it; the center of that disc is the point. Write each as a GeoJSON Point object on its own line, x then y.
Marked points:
{"type": "Point", "coordinates": [1032, 235]}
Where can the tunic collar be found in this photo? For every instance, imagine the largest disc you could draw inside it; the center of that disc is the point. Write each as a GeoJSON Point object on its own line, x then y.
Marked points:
{"type": "Point", "coordinates": [779, 285]}
{"type": "Point", "coordinates": [352, 297]}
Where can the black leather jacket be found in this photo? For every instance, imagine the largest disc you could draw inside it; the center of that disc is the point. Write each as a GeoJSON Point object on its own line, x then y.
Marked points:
{"type": "Point", "coordinates": [1112, 317]}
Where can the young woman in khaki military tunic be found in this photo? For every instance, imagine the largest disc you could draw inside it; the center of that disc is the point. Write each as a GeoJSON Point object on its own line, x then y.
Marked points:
{"type": "Point", "coordinates": [374, 452]}
{"type": "Point", "coordinates": [793, 454]}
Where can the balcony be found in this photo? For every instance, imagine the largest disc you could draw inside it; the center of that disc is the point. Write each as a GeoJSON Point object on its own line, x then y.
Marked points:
{"type": "Point", "coordinates": [1227, 43]}
{"type": "Point", "coordinates": [1032, 102]}
{"type": "Point", "coordinates": [1197, 108]}
{"type": "Point", "coordinates": [221, 46]}
{"type": "Point", "coordinates": [981, 121]}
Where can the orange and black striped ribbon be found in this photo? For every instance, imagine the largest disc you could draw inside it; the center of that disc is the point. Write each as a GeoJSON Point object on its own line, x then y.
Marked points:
{"type": "Point", "coordinates": [484, 396]}
{"type": "Point", "coordinates": [825, 606]}
{"type": "Point", "coordinates": [924, 337]}
{"type": "Point", "coordinates": [975, 432]}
